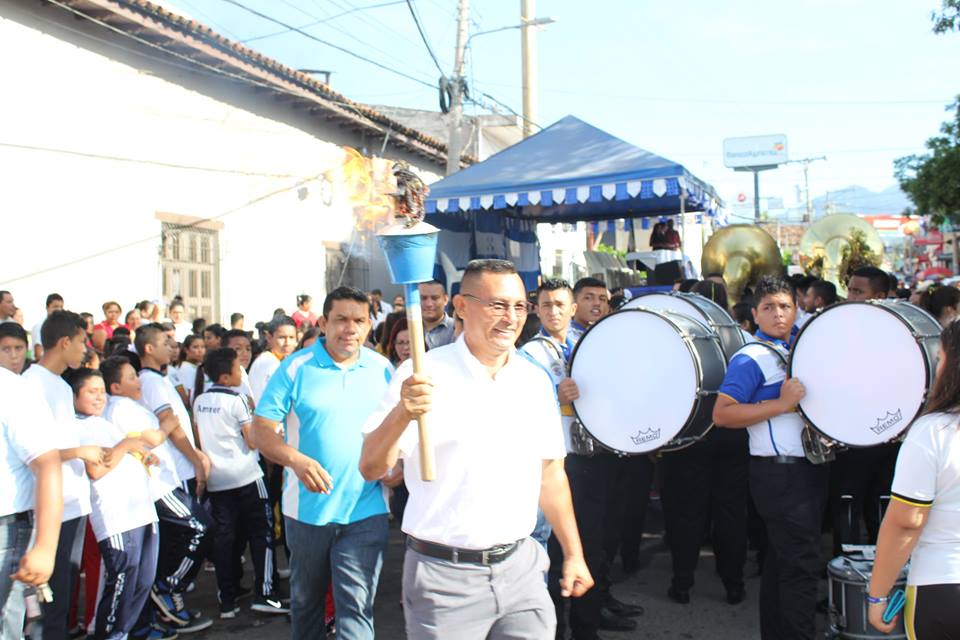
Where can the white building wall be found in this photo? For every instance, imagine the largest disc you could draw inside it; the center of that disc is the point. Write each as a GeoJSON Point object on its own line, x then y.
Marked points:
{"type": "Point", "coordinates": [86, 227]}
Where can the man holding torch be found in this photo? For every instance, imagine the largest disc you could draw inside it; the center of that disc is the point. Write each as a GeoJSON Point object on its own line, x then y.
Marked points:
{"type": "Point", "coordinates": [471, 568]}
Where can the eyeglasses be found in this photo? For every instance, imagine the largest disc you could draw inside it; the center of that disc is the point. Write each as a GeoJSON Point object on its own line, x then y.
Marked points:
{"type": "Point", "coordinates": [499, 308]}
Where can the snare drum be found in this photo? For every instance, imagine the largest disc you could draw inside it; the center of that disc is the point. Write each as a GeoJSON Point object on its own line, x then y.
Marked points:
{"type": "Point", "coordinates": [847, 594]}
{"type": "Point", "coordinates": [867, 367]}
{"type": "Point", "coordinates": [703, 310]}
{"type": "Point", "coordinates": [647, 380]}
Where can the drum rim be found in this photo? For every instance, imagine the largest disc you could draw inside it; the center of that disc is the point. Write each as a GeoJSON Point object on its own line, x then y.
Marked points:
{"type": "Point", "coordinates": [684, 295]}
{"type": "Point", "coordinates": [696, 363]}
{"type": "Point", "coordinates": [880, 304]}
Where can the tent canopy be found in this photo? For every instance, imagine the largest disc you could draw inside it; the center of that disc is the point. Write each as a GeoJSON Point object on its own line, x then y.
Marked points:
{"type": "Point", "coordinates": [573, 171]}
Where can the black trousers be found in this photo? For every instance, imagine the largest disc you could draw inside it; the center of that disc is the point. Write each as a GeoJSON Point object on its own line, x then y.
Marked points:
{"type": "Point", "coordinates": [932, 613]}
{"type": "Point", "coordinates": [184, 539]}
{"type": "Point", "coordinates": [66, 572]}
{"type": "Point", "coordinates": [589, 478]}
{"type": "Point", "coordinates": [863, 474]}
{"type": "Point", "coordinates": [245, 509]}
{"type": "Point", "coordinates": [628, 498]}
{"type": "Point", "coordinates": [704, 492]}
{"type": "Point", "coordinates": [790, 499]}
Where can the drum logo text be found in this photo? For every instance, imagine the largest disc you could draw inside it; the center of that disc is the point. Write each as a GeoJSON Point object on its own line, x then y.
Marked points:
{"type": "Point", "coordinates": [650, 435]}
{"type": "Point", "coordinates": [887, 421]}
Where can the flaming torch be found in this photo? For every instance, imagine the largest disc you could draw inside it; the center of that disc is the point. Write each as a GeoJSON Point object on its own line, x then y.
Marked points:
{"type": "Point", "coordinates": [410, 246]}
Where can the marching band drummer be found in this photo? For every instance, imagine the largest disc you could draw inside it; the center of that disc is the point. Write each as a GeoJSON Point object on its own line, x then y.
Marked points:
{"type": "Point", "coordinates": [471, 569]}
{"type": "Point", "coordinates": [589, 476]}
{"type": "Point", "coordinates": [923, 520]}
{"type": "Point", "coordinates": [789, 492]}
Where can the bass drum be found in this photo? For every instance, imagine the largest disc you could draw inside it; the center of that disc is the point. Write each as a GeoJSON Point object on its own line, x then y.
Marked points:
{"type": "Point", "coordinates": [847, 600]}
{"type": "Point", "coordinates": [647, 380]}
{"type": "Point", "coordinates": [703, 310]}
{"type": "Point", "coordinates": [867, 368]}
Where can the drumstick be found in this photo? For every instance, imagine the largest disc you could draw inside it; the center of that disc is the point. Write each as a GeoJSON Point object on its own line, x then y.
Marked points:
{"type": "Point", "coordinates": [417, 350]}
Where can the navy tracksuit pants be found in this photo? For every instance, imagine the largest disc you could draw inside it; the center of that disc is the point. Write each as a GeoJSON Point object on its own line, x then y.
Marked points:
{"type": "Point", "coordinates": [130, 565]}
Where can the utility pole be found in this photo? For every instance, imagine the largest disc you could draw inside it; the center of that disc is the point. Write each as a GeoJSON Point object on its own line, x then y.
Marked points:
{"type": "Point", "coordinates": [528, 52]}
{"type": "Point", "coordinates": [808, 212]}
{"type": "Point", "coordinates": [454, 144]}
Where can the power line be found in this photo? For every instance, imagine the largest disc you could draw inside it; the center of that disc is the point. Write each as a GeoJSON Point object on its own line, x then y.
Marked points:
{"type": "Point", "coordinates": [423, 36]}
{"type": "Point", "coordinates": [318, 21]}
{"type": "Point", "coordinates": [291, 27]}
{"type": "Point", "coordinates": [155, 236]}
{"type": "Point", "coordinates": [158, 163]}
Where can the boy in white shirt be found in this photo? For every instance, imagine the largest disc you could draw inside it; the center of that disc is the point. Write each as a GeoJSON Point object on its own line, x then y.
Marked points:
{"type": "Point", "coordinates": [64, 340]}
{"type": "Point", "coordinates": [123, 519]}
{"type": "Point", "coordinates": [185, 526]}
{"type": "Point", "coordinates": [237, 492]}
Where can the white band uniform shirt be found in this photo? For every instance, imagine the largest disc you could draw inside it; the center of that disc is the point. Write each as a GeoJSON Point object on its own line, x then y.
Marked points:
{"type": "Point", "coordinates": [221, 414]}
{"type": "Point", "coordinates": [159, 394]}
{"type": "Point", "coordinates": [490, 435]}
{"type": "Point", "coordinates": [928, 475]}
{"type": "Point", "coordinates": [58, 395]}
{"type": "Point", "coordinates": [755, 374]}
{"type": "Point", "coordinates": [27, 423]}
{"type": "Point", "coordinates": [553, 357]}
{"type": "Point", "coordinates": [131, 417]}
{"type": "Point", "coordinates": [121, 498]}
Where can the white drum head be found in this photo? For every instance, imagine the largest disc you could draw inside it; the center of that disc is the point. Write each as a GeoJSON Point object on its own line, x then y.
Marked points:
{"type": "Point", "coordinates": [637, 381]}
{"type": "Point", "coordinates": [864, 372]}
{"type": "Point", "coordinates": [664, 302]}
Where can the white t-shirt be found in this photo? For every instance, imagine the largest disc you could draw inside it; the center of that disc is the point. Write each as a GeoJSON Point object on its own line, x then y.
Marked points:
{"type": "Point", "coordinates": [221, 414]}
{"type": "Point", "coordinates": [244, 389]}
{"type": "Point", "coordinates": [59, 396]}
{"type": "Point", "coordinates": [26, 421]}
{"type": "Point", "coordinates": [36, 332]}
{"type": "Point", "coordinates": [928, 474]}
{"type": "Point", "coordinates": [129, 416]}
{"type": "Point", "coordinates": [491, 437]}
{"type": "Point", "coordinates": [121, 499]}
{"type": "Point", "coordinates": [187, 378]}
{"type": "Point", "coordinates": [260, 372]}
{"type": "Point", "coordinates": [183, 329]}
{"type": "Point", "coordinates": [160, 394]}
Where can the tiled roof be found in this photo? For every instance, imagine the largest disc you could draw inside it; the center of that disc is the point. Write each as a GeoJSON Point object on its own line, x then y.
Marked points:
{"type": "Point", "coordinates": [184, 37]}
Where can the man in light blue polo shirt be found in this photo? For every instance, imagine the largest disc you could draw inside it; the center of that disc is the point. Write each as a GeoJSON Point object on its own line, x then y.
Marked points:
{"type": "Point", "coordinates": [336, 522]}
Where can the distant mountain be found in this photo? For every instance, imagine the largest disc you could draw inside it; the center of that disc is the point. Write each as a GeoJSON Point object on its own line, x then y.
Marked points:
{"type": "Point", "coordinates": [857, 199]}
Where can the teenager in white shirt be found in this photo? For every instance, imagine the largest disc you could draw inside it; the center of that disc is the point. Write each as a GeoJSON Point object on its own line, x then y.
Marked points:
{"type": "Point", "coordinates": [64, 340]}
{"type": "Point", "coordinates": [13, 347]}
{"type": "Point", "coordinates": [237, 492]}
{"type": "Point", "coordinates": [184, 527]}
{"type": "Point", "coordinates": [123, 519]}
{"type": "Point", "coordinates": [30, 494]}
{"type": "Point", "coordinates": [192, 350]}
{"type": "Point", "coordinates": [922, 523]}
{"type": "Point", "coordinates": [54, 303]}
{"type": "Point", "coordinates": [281, 342]}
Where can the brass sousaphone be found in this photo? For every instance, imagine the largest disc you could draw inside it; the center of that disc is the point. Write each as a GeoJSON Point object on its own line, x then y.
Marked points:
{"type": "Point", "coordinates": [743, 253]}
{"type": "Point", "coordinates": [835, 245]}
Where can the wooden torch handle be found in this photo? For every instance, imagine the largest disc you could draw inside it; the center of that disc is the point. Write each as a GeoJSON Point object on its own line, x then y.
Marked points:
{"type": "Point", "coordinates": [417, 350]}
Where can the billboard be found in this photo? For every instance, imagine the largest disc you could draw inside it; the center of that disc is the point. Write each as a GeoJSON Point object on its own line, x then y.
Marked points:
{"type": "Point", "coordinates": [755, 151]}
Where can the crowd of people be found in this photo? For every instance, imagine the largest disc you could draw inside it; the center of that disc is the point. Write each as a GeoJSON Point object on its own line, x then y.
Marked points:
{"type": "Point", "coordinates": [140, 447]}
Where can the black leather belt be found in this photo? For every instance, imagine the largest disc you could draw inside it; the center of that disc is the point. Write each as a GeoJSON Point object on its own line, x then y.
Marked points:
{"type": "Point", "coordinates": [493, 555]}
{"type": "Point", "coordinates": [23, 516]}
{"type": "Point", "coordinates": [780, 459]}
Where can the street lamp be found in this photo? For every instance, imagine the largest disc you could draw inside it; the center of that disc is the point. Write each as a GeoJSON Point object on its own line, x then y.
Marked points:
{"type": "Point", "coordinates": [536, 22]}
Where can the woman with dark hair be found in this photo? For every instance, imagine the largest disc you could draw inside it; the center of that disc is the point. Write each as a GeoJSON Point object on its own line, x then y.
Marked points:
{"type": "Point", "coordinates": [303, 314]}
{"type": "Point", "coordinates": [397, 347]}
{"type": "Point", "coordinates": [192, 352]}
{"type": "Point", "coordinates": [941, 301]}
{"type": "Point", "coordinates": [922, 523]}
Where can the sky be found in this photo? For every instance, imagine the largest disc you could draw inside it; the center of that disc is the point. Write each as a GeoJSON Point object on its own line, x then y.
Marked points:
{"type": "Point", "coordinates": [861, 82]}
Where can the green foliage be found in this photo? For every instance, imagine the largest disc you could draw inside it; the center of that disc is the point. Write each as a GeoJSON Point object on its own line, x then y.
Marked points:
{"type": "Point", "coordinates": [856, 254]}
{"type": "Point", "coordinates": [787, 258]}
{"type": "Point", "coordinates": [949, 17]}
{"type": "Point", "coordinates": [604, 248]}
{"type": "Point", "coordinates": [932, 180]}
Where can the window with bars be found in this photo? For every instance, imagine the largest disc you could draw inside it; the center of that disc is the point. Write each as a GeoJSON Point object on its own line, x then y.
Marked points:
{"type": "Point", "coordinates": [189, 268]}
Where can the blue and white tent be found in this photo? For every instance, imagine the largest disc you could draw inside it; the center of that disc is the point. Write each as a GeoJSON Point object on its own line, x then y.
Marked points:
{"type": "Point", "coordinates": [569, 172]}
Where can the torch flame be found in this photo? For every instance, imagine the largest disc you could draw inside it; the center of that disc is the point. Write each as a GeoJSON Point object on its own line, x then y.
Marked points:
{"type": "Point", "coordinates": [369, 183]}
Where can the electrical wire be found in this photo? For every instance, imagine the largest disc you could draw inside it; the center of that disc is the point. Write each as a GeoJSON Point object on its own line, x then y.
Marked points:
{"type": "Point", "coordinates": [423, 36]}
{"type": "Point", "coordinates": [318, 21]}
{"type": "Point", "coordinates": [156, 236]}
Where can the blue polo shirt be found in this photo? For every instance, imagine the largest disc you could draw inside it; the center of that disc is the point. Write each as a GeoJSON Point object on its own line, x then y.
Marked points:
{"type": "Point", "coordinates": [324, 408]}
{"type": "Point", "coordinates": [755, 374]}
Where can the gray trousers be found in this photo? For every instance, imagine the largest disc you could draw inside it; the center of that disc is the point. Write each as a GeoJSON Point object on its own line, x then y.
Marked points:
{"type": "Point", "coordinates": [507, 600]}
